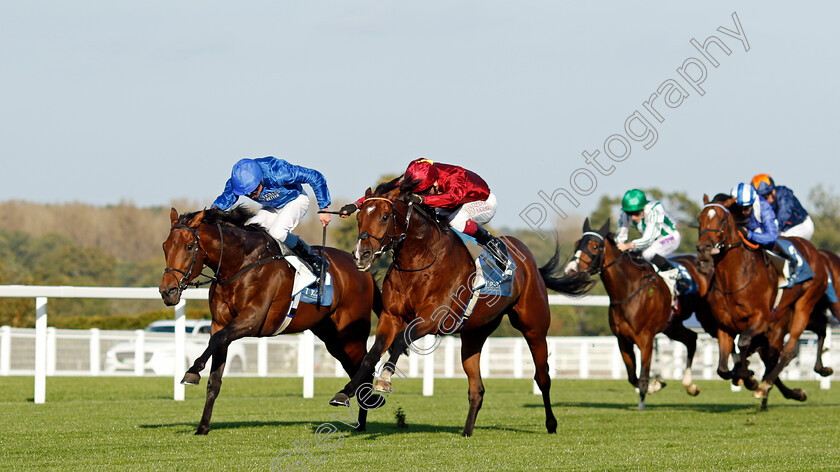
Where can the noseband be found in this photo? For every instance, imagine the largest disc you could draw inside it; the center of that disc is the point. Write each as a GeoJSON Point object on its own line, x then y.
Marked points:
{"type": "Point", "coordinates": [721, 245]}
{"type": "Point", "coordinates": [184, 281]}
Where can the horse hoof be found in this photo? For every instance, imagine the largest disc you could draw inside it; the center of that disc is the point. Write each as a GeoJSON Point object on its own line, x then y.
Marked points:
{"type": "Point", "coordinates": [340, 399]}
{"type": "Point", "coordinates": [641, 406]}
{"type": "Point", "coordinates": [825, 371]}
{"type": "Point", "coordinates": [693, 390]}
{"type": "Point", "coordinates": [191, 379]}
{"type": "Point", "coordinates": [202, 431]}
{"type": "Point", "coordinates": [800, 395]}
{"type": "Point", "coordinates": [382, 386]}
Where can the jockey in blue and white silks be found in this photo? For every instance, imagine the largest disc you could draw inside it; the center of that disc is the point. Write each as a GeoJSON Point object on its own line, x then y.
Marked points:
{"type": "Point", "coordinates": [277, 185]}
{"type": "Point", "coordinates": [761, 224]}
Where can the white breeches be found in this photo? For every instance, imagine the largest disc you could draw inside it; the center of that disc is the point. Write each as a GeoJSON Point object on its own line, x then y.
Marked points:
{"type": "Point", "coordinates": [480, 212]}
{"type": "Point", "coordinates": [279, 222]}
{"type": "Point", "coordinates": [663, 246]}
{"type": "Point", "coordinates": [803, 230]}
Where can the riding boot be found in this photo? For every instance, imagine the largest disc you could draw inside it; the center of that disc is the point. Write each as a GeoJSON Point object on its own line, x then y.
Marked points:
{"type": "Point", "coordinates": [305, 253]}
{"type": "Point", "coordinates": [791, 266]}
{"type": "Point", "coordinates": [493, 244]}
{"type": "Point", "coordinates": [669, 272]}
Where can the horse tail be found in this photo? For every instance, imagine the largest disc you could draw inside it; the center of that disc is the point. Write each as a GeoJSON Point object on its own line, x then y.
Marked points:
{"type": "Point", "coordinates": [575, 283]}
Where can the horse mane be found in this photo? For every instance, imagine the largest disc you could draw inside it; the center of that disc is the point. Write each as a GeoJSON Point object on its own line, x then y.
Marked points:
{"type": "Point", "coordinates": [235, 217]}
{"type": "Point", "coordinates": [405, 189]}
{"type": "Point", "coordinates": [720, 198]}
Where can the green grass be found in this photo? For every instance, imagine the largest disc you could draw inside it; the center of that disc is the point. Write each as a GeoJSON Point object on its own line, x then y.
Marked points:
{"type": "Point", "coordinates": [133, 424]}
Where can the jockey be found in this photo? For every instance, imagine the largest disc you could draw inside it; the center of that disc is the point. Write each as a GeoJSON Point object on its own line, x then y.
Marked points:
{"type": "Point", "coordinates": [460, 195]}
{"type": "Point", "coordinates": [762, 226]}
{"type": "Point", "coordinates": [793, 219]}
{"type": "Point", "coordinates": [659, 233]}
{"type": "Point", "coordinates": [276, 184]}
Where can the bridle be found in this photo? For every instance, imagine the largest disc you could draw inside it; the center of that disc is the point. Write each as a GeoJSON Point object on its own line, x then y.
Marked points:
{"type": "Point", "coordinates": [722, 246]}
{"type": "Point", "coordinates": [184, 282]}
{"type": "Point", "coordinates": [393, 239]}
{"type": "Point", "coordinates": [596, 264]}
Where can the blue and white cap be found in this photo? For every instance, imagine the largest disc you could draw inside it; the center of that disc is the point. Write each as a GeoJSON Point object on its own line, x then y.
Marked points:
{"type": "Point", "coordinates": [744, 194]}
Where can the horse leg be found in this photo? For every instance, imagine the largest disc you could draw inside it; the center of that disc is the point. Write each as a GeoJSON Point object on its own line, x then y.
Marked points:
{"type": "Point", "coordinates": [350, 353]}
{"type": "Point", "coordinates": [535, 332]}
{"type": "Point", "coordinates": [789, 350]}
{"type": "Point", "coordinates": [745, 349]}
{"type": "Point", "coordinates": [645, 343]}
{"type": "Point", "coordinates": [240, 327]}
{"type": "Point", "coordinates": [385, 332]}
{"type": "Point", "coordinates": [629, 357]}
{"type": "Point", "coordinates": [680, 333]}
{"type": "Point", "coordinates": [471, 344]}
{"type": "Point", "coordinates": [214, 385]}
{"type": "Point", "coordinates": [725, 346]}
{"type": "Point", "coordinates": [402, 341]}
{"type": "Point", "coordinates": [817, 324]}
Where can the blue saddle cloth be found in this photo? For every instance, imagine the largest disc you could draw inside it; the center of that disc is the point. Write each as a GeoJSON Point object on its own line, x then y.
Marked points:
{"type": "Point", "coordinates": [802, 271]}
{"type": "Point", "coordinates": [686, 275]}
{"type": "Point", "coordinates": [497, 283]}
{"type": "Point", "coordinates": [829, 292]}
{"type": "Point", "coordinates": [310, 293]}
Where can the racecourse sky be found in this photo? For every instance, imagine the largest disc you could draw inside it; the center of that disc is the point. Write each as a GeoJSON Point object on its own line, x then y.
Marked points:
{"type": "Point", "coordinates": [152, 101]}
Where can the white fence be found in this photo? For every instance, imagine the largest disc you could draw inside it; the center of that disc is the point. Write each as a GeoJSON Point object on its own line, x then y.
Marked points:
{"type": "Point", "coordinates": [45, 351]}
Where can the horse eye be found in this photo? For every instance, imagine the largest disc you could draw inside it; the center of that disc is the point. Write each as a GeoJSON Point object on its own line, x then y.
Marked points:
{"type": "Point", "coordinates": [385, 217]}
{"type": "Point", "coordinates": [189, 247]}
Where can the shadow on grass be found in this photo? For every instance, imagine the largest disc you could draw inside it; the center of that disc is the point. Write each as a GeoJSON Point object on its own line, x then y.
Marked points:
{"type": "Point", "coordinates": [695, 407]}
{"type": "Point", "coordinates": [375, 429]}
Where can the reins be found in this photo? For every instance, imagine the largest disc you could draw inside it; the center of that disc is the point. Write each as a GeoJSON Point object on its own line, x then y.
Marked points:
{"type": "Point", "coordinates": [184, 282]}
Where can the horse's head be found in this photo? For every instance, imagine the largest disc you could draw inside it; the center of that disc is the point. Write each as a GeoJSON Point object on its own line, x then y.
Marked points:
{"type": "Point", "coordinates": [589, 250]}
{"type": "Point", "coordinates": [382, 223]}
{"type": "Point", "coordinates": [184, 257]}
{"type": "Point", "coordinates": [715, 224]}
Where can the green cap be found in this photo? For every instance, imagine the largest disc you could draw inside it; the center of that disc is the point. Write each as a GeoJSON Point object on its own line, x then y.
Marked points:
{"type": "Point", "coordinates": [634, 200]}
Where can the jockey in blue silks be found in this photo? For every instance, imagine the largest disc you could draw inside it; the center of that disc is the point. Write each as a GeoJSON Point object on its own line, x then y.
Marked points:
{"type": "Point", "coordinates": [276, 185]}
{"type": "Point", "coordinates": [792, 217]}
{"type": "Point", "coordinates": [762, 226]}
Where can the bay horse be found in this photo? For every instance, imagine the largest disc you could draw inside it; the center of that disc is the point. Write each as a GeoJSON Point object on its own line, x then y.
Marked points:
{"type": "Point", "coordinates": [743, 293]}
{"type": "Point", "coordinates": [640, 304]}
{"type": "Point", "coordinates": [428, 285]}
{"type": "Point", "coordinates": [250, 293]}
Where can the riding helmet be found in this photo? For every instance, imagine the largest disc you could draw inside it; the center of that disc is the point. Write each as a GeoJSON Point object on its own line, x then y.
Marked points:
{"type": "Point", "coordinates": [423, 170]}
{"type": "Point", "coordinates": [245, 176]}
{"type": "Point", "coordinates": [634, 200]}
{"type": "Point", "coordinates": [763, 184]}
{"type": "Point", "coordinates": [744, 194]}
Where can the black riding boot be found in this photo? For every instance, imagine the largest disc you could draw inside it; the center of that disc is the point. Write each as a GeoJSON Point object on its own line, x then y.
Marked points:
{"type": "Point", "coordinates": [305, 253]}
{"type": "Point", "coordinates": [661, 263]}
{"type": "Point", "coordinates": [496, 247]}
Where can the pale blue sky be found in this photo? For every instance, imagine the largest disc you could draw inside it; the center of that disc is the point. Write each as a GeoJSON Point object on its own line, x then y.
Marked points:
{"type": "Point", "coordinates": [152, 101]}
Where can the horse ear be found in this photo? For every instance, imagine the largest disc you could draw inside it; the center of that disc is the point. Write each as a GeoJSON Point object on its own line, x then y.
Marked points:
{"type": "Point", "coordinates": [729, 202]}
{"type": "Point", "coordinates": [605, 229]}
{"type": "Point", "coordinates": [705, 199]}
{"type": "Point", "coordinates": [586, 227]}
{"type": "Point", "coordinates": [196, 220]}
{"type": "Point", "coordinates": [368, 192]}
{"type": "Point", "coordinates": [173, 216]}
